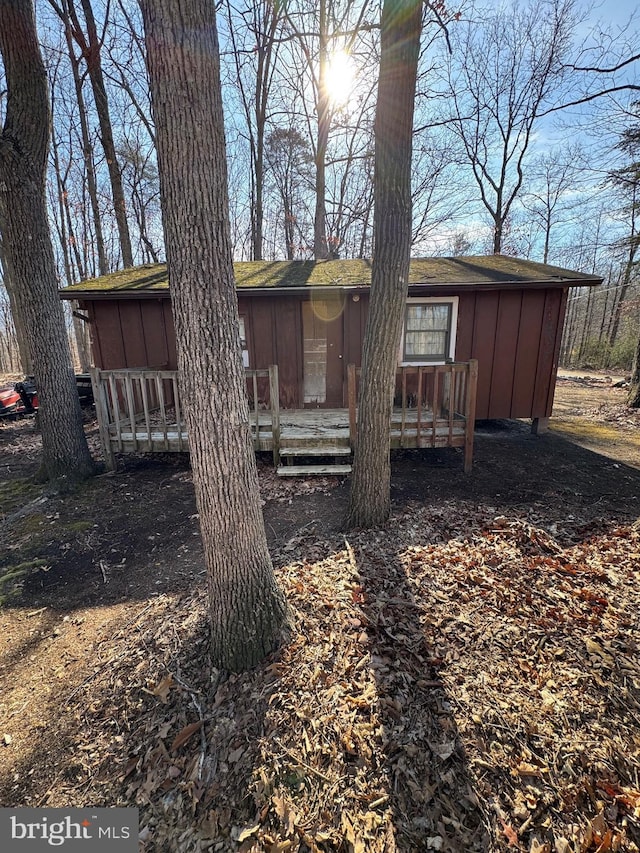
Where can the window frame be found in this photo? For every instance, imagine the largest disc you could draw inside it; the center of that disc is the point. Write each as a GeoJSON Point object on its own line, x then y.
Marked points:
{"type": "Point", "coordinates": [243, 324]}
{"type": "Point", "coordinates": [451, 301]}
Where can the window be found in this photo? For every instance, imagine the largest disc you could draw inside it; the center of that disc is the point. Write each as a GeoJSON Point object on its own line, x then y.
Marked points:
{"type": "Point", "coordinates": [429, 331]}
{"type": "Point", "coordinates": [243, 342]}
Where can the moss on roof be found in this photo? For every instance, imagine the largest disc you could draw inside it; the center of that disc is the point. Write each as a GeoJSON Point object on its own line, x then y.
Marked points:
{"type": "Point", "coordinates": [491, 269]}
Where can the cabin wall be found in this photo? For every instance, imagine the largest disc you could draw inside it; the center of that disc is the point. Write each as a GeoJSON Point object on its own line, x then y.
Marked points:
{"type": "Point", "coordinates": [274, 335]}
{"type": "Point", "coordinates": [132, 333]}
{"type": "Point", "coordinates": [514, 334]}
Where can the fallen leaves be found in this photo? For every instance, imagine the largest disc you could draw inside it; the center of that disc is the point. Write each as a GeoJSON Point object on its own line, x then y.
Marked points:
{"type": "Point", "coordinates": [161, 690]}
{"type": "Point", "coordinates": [465, 680]}
{"type": "Point", "coordinates": [185, 734]}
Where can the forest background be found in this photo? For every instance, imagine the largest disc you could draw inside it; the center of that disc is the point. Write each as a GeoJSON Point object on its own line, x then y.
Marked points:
{"type": "Point", "coordinates": [527, 142]}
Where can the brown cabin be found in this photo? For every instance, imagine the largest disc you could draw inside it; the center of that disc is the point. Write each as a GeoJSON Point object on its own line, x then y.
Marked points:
{"type": "Point", "coordinates": [308, 318]}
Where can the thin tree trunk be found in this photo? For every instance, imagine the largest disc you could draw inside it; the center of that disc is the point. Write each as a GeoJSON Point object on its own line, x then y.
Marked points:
{"type": "Point", "coordinates": [634, 244]}
{"type": "Point", "coordinates": [603, 338]}
{"type": "Point", "coordinates": [91, 51]}
{"type": "Point", "coordinates": [320, 244]}
{"type": "Point", "coordinates": [26, 364]}
{"type": "Point", "coordinates": [586, 329]}
{"type": "Point", "coordinates": [568, 331]}
{"type": "Point", "coordinates": [498, 226]}
{"type": "Point", "coordinates": [622, 295]}
{"type": "Point", "coordinates": [370, 501]}
{"type": "Point", "coordinates": [79, 327]}
{"type": "Point", "coordinates": [27, 243]}
{"type": "Point", "coordinates": [94, 66]}
{"type": "Point", "coordinates": [18, 326]}
{"type": "Point", "coordinates": [547, 237]}
{"type": "Point", "coordinates": [614, 303]}
{"type": "Point", "coordinates": [87, 149]}
{"type": "Point", "coordinates": [61, 224]}
{"type": "Point", "coordinates": [247, 608]}
{"type": "Point", "coordinates": [258, 213]}
{"type": "Point", "coordinates": [633, 397]}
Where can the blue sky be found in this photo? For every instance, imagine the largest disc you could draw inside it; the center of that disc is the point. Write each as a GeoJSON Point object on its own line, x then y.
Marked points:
{"type": "Point", "coordinates": [619, 11]}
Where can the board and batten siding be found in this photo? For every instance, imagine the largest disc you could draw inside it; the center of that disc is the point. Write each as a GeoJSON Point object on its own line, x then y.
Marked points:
{"type": "Point", "coordinates": [274, 335]}
{"type": "Point", "coordinates": [514, 333]}
{"type": "Point", "coordinates": [132, 333]}
{"type": "Point", "coordinates": [515, 336]}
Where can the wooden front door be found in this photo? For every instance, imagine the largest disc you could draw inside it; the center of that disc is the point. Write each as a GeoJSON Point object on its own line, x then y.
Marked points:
{"type": "Point", "coordinates": [323, 368]}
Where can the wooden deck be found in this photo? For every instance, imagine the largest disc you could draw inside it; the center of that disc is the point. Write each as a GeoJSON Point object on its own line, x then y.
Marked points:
{"type": "Point", "coordinates": [139, 411]}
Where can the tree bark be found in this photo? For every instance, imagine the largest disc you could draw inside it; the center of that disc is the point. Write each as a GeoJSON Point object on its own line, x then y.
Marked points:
{"type": "Point", "coordinates": [370, 502]}
{"type": "Point", "coordinates": [497, 235]}
{"type": "Point", "coordinates": [247, 609]}
{"type": "Point", "coordinates": [28, 252]}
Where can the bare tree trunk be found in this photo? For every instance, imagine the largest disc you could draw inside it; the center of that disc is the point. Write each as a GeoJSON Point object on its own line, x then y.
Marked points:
{"type": "Point", "coordinates": [247, 608]}
{"type": "Point", "coordinates": [586, 329]}
{"type": "Point", "coordinates": [622, 293]}
{"type": "Point", "coordinates": [90, 47]}
{"type": "Point", "coordinates": [498, 226]}
{"type": "Point", "coordinates": [87, 149]}
{"type": "Point", "coordinates": [79, 326]}
{"type": "Point", "coordinates": [547, 237]}
{"type": "Point", "coordinates": [18, 325]}
{"type": "Point", "coordinates": [567, 337]}
{"type": "Point", "coordinates": [633, 397]}
{"type": "Point", "coordinates": [94, 66]}
{"type": "Point", "coordinates": [370, 501]}
{"type": "Point", "coordinates": [320, 245]}
{"type": "Point", "coordinates": [260, 21]}
{"type": "Point", "coordinates": [614, 308]}
{"type": "Point", "coordinates": [26, 364]}
{"type": "Point", "coordinates": [27, 243]}
{"type": "Point", "coordinates": [603, 338]}
{"type": "Point", "coordinates": [509, 63]}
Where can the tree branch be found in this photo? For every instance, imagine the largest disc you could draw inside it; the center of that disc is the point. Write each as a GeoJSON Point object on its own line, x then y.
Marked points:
{"type": "Point", "coordinates": [604, 70]}
{"type": "Point", "coordinates": [628, 87]}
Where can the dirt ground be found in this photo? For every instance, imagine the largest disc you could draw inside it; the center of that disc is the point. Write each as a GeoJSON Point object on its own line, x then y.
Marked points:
{"type": "Point", "coordinates": [467, 678]}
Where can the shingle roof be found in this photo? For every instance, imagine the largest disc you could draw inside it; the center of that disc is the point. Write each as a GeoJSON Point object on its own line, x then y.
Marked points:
{"type": "Point", "coordinates": [466, 271]}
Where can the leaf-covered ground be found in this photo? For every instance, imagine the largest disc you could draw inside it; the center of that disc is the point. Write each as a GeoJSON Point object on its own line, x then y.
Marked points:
{"type": "Point", "coordinates": [466, 679]}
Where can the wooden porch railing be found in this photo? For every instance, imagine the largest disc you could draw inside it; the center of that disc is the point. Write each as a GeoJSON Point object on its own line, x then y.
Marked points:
{"type": "Point", "coordinates": [434, 406]}
{"type": "Point", "coordinates": [139, 411]}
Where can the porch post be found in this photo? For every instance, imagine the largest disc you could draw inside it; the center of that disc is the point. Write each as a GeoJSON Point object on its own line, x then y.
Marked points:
{"type": "Point", "coordinates": [539, 426]}
{"type": "Point", "coordinates": [102, 414]}
{"type": "Point", "coordinates": [470, 414]}
{"type": "Point", "coordinates": [351, 392]}
{"type": "Point", "coordinates": [274, 399]}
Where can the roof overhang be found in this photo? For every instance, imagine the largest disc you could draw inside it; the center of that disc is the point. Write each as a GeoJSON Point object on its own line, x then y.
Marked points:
{"type": "Point", "coordinates": [427, 275]}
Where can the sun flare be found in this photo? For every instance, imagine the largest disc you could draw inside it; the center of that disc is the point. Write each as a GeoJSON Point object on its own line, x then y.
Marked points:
{"type": "Point", "coordinates": [340, 78]}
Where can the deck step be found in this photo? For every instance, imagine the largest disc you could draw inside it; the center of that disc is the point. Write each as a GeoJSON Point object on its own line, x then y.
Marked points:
{"type": "Point", "coordinates": [316, 450]}
{"type": "Point", "coordinates": [327, 438]}
{"type": "Point", "coordinates": [313, 470]}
